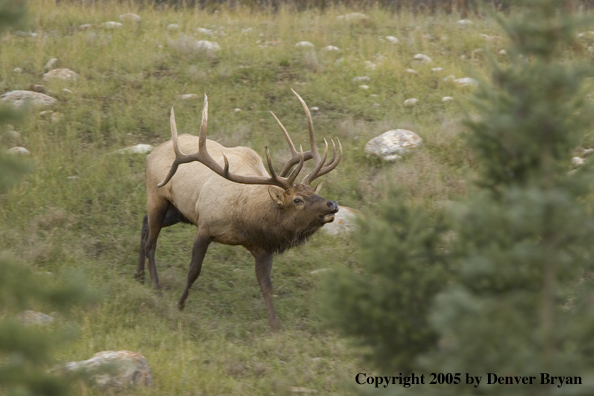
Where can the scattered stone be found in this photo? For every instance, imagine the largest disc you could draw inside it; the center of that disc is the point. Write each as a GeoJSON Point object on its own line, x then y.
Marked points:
{"type": "Point", "coordinates": [411, 71]}
{"type": "Point", "coordinates": [392, 145]}
{"type": "Point", "coordinates": [322, 270]}
{"type": "Point", "coordinates": [210, 47]}
{"type": "Point", "coordinates": [376, 105]}
{"type": "Point", "coordinates": [503, 52]}
{"type": "Point", "coordinates": [331, 48]}
{"type": "Point", "coordinates": [130, 17]}
{"type": "Point", "coordinates": [466, 82]}
{"type": "Point", "coordinates": [128, 369]}
{"type": "Point", "coordinates": [577, 162]}
{"type": "Point", "coordinates": [437, 69]}
{"type": "Point", "coordinates": [50, 63]}
{"type": "Point", "coordinates": [66, 90]}
{"type": "Point", "coordinates": [17, 70]}
{"type": "Point", "coordinates": [370, 66]}
{"type": "Point", "coordinates": [447, 99]}
{"type": "Point", "coordinates": [345, 222]}
{"type": "Point", "coordinates": [35, 318]}
{"type": "Point", "coordinates": [363, 86]}
{"type": "Point", "coordinates": [138, 149]}
{"type": "Point", "coordinates": [361, 79]}
{"type": "Point", "coordinates": [72, 178]}
{"type": "Point", "coordinates": [464, 23]}
{"type": "Point", "coordinates": [205, 31]}
{"type": "Point", "coordinates": [317, 359]}
{"type": "Point", "coordinates": [392, 39]}
{"type": "Point", "coordinates": [237, 110]}
{"type": "Point", "coordinates": [111, 25]}
{"type": "Point", "coordinates": [37, 88]}
{"type": "Point", "coordinates": [246, 30]}
{"type": "Point", "coordinates": [62, 74]}
{"type": "Point", "coordinates": [189, 96]}
{"type": "Point", "coordinates": [411, 102]}
{"type": "Point", "coordinates": [588, 152]}
{"type": "Point", "coordinates": [173, 26]}
{"type": "Point", "coordinates": [421, 58]}
{"type": "Point", "coordinates": [353, 17]}
{"type": "Point", "coordinates": [18, 151]}
{"type": "Point", "coordinates": [11, 135]}
{"type": "Point", "coordinates": [315, 109]}
{"type": "Point", "coordinates": [490, 38]}
{"type": "Point", "coordinates": [19, 98]}
{"type": "Point", "coordinates": [300, 389]}
{"type": "Point", "coordinates": [86, 26]}
{"type": "Point", "coordinates": [451, 77]}
{"type": "Point", "coordinates": [463, 57]}
{"type": "Point", "coordinates": [304, 44]}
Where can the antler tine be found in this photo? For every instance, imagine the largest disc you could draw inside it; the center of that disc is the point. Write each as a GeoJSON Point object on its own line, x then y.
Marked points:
{"type": "Point", "coordinates": [293, 175]}
{"type": "Point", "coordinates": [314, 173]}
{"type": "Point", "coordinates": [273, 173]}
{"type": "Point", "coordinates": [205, 158]}
{"type": "Point", "coordinates": [312, 136]}
{"type": "Point", "coordinates": [333, 163]}
{"type": "Point", "coordinates": [295, 156]}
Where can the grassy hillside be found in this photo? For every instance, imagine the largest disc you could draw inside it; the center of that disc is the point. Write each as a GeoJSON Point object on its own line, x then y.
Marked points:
{"type": "Point", "coordinates": [82, 207]}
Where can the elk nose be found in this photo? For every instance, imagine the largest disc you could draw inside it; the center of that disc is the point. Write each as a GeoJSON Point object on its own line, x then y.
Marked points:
{"type": "Point", "coordinates": [332, 205]}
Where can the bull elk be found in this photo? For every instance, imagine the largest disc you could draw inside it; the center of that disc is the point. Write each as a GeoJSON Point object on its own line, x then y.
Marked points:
{"type": "Point", "coordinates": [228, 195]}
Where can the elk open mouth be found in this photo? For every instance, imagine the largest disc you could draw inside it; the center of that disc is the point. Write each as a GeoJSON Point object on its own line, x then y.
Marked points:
{"type": "Point", "coordinates": [329, 217]}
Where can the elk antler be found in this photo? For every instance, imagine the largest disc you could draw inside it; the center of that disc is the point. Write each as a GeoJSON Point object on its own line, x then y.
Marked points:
{"type": "Point", "coordinates": [320, 168]}
{"type": "Point", "coordinates": [204, 157]}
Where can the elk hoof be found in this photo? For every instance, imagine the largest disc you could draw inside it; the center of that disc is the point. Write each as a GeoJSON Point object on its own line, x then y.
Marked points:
{"type": "Point", "coordinates": [139, 276]}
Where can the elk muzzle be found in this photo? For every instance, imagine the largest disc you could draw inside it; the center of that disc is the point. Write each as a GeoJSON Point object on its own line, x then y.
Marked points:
{"type": "Point", "coordinates": [329, 216]}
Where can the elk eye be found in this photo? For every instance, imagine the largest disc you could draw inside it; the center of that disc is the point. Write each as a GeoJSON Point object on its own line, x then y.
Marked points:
{"type": "Point", "coordinates": [297, 201]}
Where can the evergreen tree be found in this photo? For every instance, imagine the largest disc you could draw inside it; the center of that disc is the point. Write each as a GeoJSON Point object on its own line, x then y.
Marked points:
{"type": "Point", "coordinates": [25, 350]}
{"type": "Point", "coordinates": [520, 300]}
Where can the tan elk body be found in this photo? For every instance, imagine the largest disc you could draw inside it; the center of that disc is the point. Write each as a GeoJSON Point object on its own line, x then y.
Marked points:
{"type": "Point", "coordinates": [231, 198]}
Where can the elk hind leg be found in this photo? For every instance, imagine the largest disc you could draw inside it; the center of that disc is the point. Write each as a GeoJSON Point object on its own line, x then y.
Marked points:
{"type": "Point", "coordinates": [157, 213]}
{"type": "Point", "coordinates": [198, 252]}
{"type": "Point", "coordinates": [142, 251]}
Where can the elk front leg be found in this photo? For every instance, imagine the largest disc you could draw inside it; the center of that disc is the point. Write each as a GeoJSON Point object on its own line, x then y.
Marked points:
{"type": "Point", "coordinates": [263, 270]}
{"type": "Point", "coordinates": [198, 252]}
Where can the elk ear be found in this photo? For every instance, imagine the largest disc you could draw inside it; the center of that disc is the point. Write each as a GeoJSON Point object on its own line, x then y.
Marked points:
{"type": "Point", "coordinates": [277, 196]}
{"type": "Point", "coordinates": [318, 187]}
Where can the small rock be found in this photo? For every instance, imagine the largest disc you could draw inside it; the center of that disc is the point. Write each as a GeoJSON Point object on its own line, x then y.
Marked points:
{"type": "Point", "coordinates": [464, 23]}
{"type": "Point", "coordinates": [37, 88]}
{"type": "Point", "coordinates": [62, 74]}
{"type": "Point", "coordinates": [451, 77]}
{"type": "Point", "coordinates": [503, 52]}
{"type": "Point", "coordinates": [331, 48]}
{"type": "Point", "coordinates": [210, 47]}
{"type": "Point", "coordinates": [437, 69]}
{"type": "Point", "coordinates": [411, 71]}
{"type": "Point", "coordinates": [411, 102]}
{"type": "Point", "coordinates": [317, 359]}
{"type": "Point", "coordinates": [57, 117]}
{"type": "Point", "coordinates": [237, 110]}
{"type": "Point", "coordinates": [364, 86]}
{"type": "Point", "coordinates": [35, 318]}
{"type": "Point", "coordinates": [138, 149]}
{"type": "Point", "coordinates": [129, 368]}
{"type": "Point", "coordinates": [375, 105]}
{"type": "Point", "coordinates": [66, 90]}
{"type": "Point", "coordinates": [353, 17]}
{"type": "Point", "coordinates": [18, 151]}
{"type": "Point", "coordinates": [490, 38]}
{"type": "Point", "coordinates": [86, 26]}
{"type": "Point", "coordinates": [321, 270]}
{"type": "Point", "coordinates": [17, 70]}
{"type": "Point", "coordinates": [300, 389]}
{"type": "Point", "coordinates": [361, 79]}
{"type": "Point", "coordinates": [370, 66]}
{"type": "Point", "coordinates": [446, 99]}
{"type": "Point", "coordinates": [577, 161]}
{"type": "Point", "coordinates": [421, 58]}
{"type": "Point", "coordinates": [315, 109]}
{"type": "Point", "coordinates": [130, 17]}
{"type": "Point", "coordinates": [173, 26]}
{"type": "Point", "coordinates": [72, 178]}
{"type": "Point", "coordinates": [463, 57]}
{"type": "Point", "coordinates": [19, 98]}
{"type": "Point", "coordinates": [392, 145]}
{"type": "Point", "coordinates": [12, 135]}
{"type": "Point", "coordinates": [345, 221]}
{"type": "Point", "coordinates": [189, 96]}
{"type": "Point", "coordinates": [588, 152]}
{"type": "Point", "coordinates": [205, 31]}
{"type": "Point", "coordinates": [246, 30]}
{"type": "Point", "coordinates": [392, 39]}
{"type": "Point", "coordinates": [304, 44]}
{"type": "Point", "coordinates": [50, 63]}
{"type": "Point", "coordinates": [111, 25]}
{"type": "Point", "coordinates": [466, 82]}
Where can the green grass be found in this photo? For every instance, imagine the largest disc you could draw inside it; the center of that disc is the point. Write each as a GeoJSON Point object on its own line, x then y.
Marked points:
{"type": "Point", "coordinates": [129, 79]}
